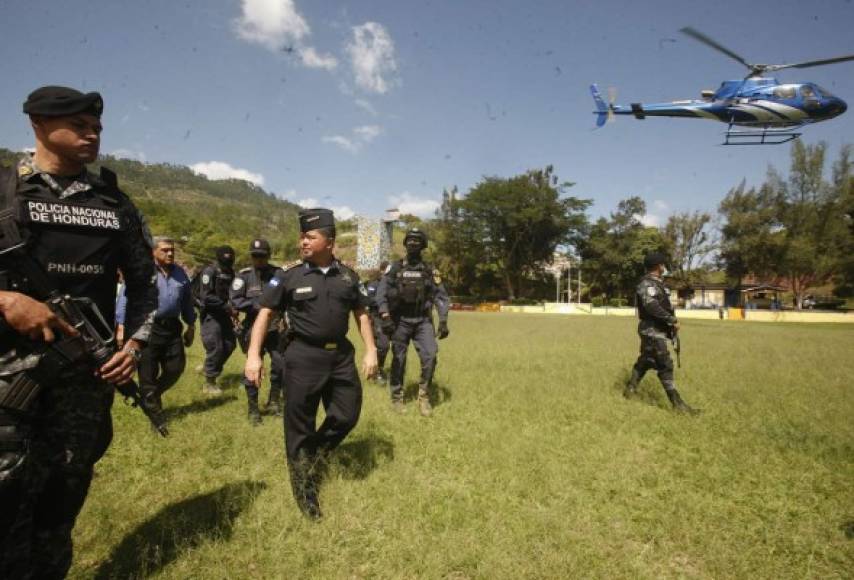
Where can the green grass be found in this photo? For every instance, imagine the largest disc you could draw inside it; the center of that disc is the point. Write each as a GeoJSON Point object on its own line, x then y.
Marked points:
{"type": "Point", "coordinates": [533, 466]}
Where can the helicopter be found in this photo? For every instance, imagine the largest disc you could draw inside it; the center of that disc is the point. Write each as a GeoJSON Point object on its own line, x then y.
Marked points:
{"type": "Point", "coordinates": [759, 110]}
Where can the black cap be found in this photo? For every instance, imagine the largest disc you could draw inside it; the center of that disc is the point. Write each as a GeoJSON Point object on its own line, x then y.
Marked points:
{"type": "Point", "coordinates": [54, 101]}
{"type": "Point", "coordinates": [225, 254]}
{"type": "Point", "coordinates": [312, 219]}
{"type": "Point", "coordinates": [653, 259]}
{"type": "Point", "coordinates": [416, 233]}
{"type": "Point", "coordinates": [259, 247]}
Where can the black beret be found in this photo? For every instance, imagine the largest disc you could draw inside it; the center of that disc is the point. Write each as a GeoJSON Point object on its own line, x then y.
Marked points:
{"type": "Point", "coordinates": [62, 101]}
{"type": "Point", "coordinates": [653, 259]}
{"type": "Point", "coordinates": [315, 218]}
{"type": "Point", "coordinates": [259, 247]}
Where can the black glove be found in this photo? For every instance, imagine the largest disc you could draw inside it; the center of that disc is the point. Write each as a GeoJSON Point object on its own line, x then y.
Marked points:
{"type": "Point", "coordinates": [443, 331]}
{"type": "Point", "coordinates": [387, 325]}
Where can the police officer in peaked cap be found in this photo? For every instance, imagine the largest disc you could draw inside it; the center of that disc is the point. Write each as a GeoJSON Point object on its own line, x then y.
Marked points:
{"type": "Point", "coordinates": [218, 318]}
{"type": "Point", "coordinates": [406, 295]}
{"type": "Point", "coordinates": [657, 324]}
{"type": "Point", "coordinates": [246, 290]}
{"type": "Point", "coordinates": [318, 295]}
{"type": "Point", "coordinates": [78, 229]}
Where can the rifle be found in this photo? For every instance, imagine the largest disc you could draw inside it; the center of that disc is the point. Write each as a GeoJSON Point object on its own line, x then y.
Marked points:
{"type": "Point", "coordinates": [89, 350]}
{"type": "Point", "coordinates": [677, 346]}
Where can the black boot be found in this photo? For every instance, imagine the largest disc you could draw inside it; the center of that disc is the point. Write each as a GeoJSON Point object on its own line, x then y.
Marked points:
{"type": "Point", "coordinates": [680, 406]}
{"type": "Point", "coordinates": [274, 403]}
{"type": "Point", "coordinates": [304, 484]}
{"type": "Point", "coordinates": [631, 389]}
{"type": "Point", "coordinates": [254, 413]}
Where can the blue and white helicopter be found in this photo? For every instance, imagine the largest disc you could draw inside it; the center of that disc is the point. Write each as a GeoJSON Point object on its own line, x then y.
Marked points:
{"type": "Point", "coordinates": [759, 110]}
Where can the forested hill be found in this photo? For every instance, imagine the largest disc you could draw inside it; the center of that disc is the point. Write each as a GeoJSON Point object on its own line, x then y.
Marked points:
{"type": "Point", "coordinates": [201, 213]}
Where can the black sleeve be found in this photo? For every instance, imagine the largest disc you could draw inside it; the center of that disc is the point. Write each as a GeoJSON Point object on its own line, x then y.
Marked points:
{"type": "Point", "coordinates": [137, 266]}
{"type": "Point", "coordinates": [207, 291]}
{"type": "Point", "coordinates": [275, 293]}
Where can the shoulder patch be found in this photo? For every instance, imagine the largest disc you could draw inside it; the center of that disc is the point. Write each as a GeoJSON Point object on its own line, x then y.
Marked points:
{"type": "Point", "coordinates": [437, 277]}
{"type": "Point", "coordinates": [206, 278]}
{"type": "Point", "coordinates": [237, 284]}
{"type": "Point", "coordinates": [651, 290]}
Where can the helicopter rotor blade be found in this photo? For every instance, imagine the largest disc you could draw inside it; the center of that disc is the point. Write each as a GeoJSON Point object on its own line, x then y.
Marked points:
{"type": "Point", "coordinates": [699, 36]}
{"type": "Point", "coordinates": [773, 67]}
{"type": "Point", "coordinates": [612, 98]}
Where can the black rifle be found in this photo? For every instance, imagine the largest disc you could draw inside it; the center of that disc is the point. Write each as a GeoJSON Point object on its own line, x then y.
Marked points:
{"type": "Point", "coordinates": [677, 346]}
{"type": "Point", "coordinates": [94, 345]}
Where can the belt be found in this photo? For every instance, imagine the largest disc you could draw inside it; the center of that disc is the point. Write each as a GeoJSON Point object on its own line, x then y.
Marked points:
{"type": "Point", "coordinates": [324, 344]}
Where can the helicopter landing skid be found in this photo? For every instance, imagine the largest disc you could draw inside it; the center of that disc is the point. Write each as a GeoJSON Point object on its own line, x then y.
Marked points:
{"type": "Point", "coordinates": [765, 136]}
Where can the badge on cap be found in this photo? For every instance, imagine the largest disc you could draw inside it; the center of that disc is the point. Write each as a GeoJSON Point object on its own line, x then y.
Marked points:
{"type": "Point", "coordinates": [257, 243]}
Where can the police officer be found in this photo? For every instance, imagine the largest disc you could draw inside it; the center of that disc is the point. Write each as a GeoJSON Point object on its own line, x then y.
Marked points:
{"type": "Point", "coordinates": [405, 299]}
{"type": "Point", "coordinates": [217, 316]}
{"type": "Point", "coordinates": [245, 293]}
{"type": "Point", "coordinates": [380, 338]}
{"type": "Point", "coordinates": [77, 229]}
{"type": "Point", "coordinates": [657, 324]}
{"type": "Point", "coordinates": [317, 294]}
{"type": "Point", "coordinates": [163, 358]}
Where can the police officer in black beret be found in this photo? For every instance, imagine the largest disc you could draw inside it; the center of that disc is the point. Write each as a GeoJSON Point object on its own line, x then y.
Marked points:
{"type": "Point", "coordinates": [406, 296]}
{"type": "Point", "coordinates": [657, 324]}
{"type": "Point", "coordinates": [78, 229]}
{"type": "Point", "coordinates": [218, 318]}
{"type": "Point", "coordinates": [245, 295]}
{"type": "Point", "coordinates": [317, 295]}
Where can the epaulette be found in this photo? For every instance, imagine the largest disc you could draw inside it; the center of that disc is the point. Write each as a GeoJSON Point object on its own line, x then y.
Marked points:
{"type": "Point", "coordinates": [246, 270]}
{"type": "Point", "coordinates": [291, 265]}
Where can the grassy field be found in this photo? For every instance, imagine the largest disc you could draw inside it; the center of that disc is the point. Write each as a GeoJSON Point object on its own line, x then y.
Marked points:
{"type": "Point", "coordinates": [533, 466]}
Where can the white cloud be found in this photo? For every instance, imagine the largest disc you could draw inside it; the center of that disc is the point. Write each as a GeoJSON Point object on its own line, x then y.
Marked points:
{"type": "Point", "coordinates": [361, 136]}
{"type": "Point", "coordinates": [368, 132]}
{"type": "Point", "coordinates": [366, 106]}
{"type": "Point", "coordinates": [650, 220]}
{"type": "Point", "coordinates": [308, 202]}
{"type": "Point", "coordinates": [217, 170]}
{"type": "Point", "coordinates": [343, 142]}
{"type": "Point", "coordinates": [277, 25]}
{"type": "Point", "coordinates": [407, 203]}
{"type": "Point", "coordinates": [371, 53]}
{"type": "Point", "coordinates": [342, 212]}
{"type": "Point", "coordinates": [129, 154]}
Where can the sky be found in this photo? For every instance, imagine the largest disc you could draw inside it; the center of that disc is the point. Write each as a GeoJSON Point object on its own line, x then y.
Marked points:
{"type": "Point", "coordinates": [378, 104]}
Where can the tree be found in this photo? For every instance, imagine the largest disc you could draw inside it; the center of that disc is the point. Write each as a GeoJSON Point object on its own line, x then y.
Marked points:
{"type": "Point", "coordinates": [689, 239]}
{"type": "Point", "coordinates": [507, 230]}
{"type": "Point", "coordinates": [613, 253]}
{"type": "Point", "coordinates": [792, 228]}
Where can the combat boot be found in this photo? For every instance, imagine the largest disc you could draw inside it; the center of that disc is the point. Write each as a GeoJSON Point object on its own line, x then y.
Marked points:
{"type": "Point", "coordinates": [304, 485]}
{"type": "Point", "coordinates": [210, 387]}
{"type": "Point", "coordinates": [680, 406]}
{"type": "Point", "coordinates": [631, 389]}
{"type": "Point", "coordinates": [382, 378]}
{"type": "Point", "coordinates": [397, 398]}
{"type": "Point", "coordinates": [274, 403]}
{"type": "Point", "coordinates": [254, 412]}
{"type": "Point", "coordinates": [424, 406]}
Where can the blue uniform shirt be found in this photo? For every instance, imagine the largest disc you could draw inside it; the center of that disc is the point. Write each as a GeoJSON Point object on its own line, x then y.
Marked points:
{"type": "Point", "coordinates": [174, 297]}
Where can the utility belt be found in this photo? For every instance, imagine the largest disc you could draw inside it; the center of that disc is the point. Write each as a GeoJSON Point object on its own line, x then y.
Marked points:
{"type": "Point", "coordinates": [169, 324]}
{"type": "Point", "coordinates": [411, 311]}
{"type": "Point", "coordinates": [335, 344]}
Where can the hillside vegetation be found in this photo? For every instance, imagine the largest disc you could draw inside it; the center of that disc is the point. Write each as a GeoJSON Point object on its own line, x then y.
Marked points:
{"type": "Point", "coordinates": [202, 214]}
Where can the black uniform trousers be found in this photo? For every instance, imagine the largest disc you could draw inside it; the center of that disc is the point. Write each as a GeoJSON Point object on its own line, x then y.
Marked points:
{"type": "Point", "coordinates": [654, 354]}
{"type": "Point", "coordinates": [219, 341]}
{"type": "Point", "coordinates": [163, 360]}
{"type": "Point", "coordinates": [42, 495]}
{"type": "Point", "coordinates": [271, 347]}
{"type": "Point", "coordinates": [314, 375]}
{"type": "Point", "coordinates": [420, 331]}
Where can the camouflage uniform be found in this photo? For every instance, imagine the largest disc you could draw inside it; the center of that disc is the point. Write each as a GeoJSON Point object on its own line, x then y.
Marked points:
{"type": "Point", "coordinates": [657, 320]}
{"type": "Point", "coordinates": [47, 453]}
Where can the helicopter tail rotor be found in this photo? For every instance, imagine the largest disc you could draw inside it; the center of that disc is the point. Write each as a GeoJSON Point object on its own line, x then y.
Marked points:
{"type": "Point", "coordinates": [604, 112]}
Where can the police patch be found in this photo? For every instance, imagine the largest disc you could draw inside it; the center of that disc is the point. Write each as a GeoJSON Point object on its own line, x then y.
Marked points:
{"type": "Point", "coordinates": [437, 277]}
{"type": "Point", "coordinates": [650, 290]}
{"type": "Point", "coordinates": [237, 284]}
{"type": "Point", "coordinates": [72, 215]}
{"type": "Point", "coordinates": [206, 279]}
{"type": "Point", "coordinates": [303, 290]}
{"type": "Point", "coordinates": [274, 282]}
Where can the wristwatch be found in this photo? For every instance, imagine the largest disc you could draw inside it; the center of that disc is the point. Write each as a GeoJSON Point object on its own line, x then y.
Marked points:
{"type": "Point", "coordinates": [135, 353]}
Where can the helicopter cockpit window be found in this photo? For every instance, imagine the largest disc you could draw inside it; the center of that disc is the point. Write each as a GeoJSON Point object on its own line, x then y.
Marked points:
{"type": "Point", "coordinates": [785, 92]}
{"type": "Point", "coordinates": [807, 91]}
{"type": "Point", "coordinates": [823, 92]}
